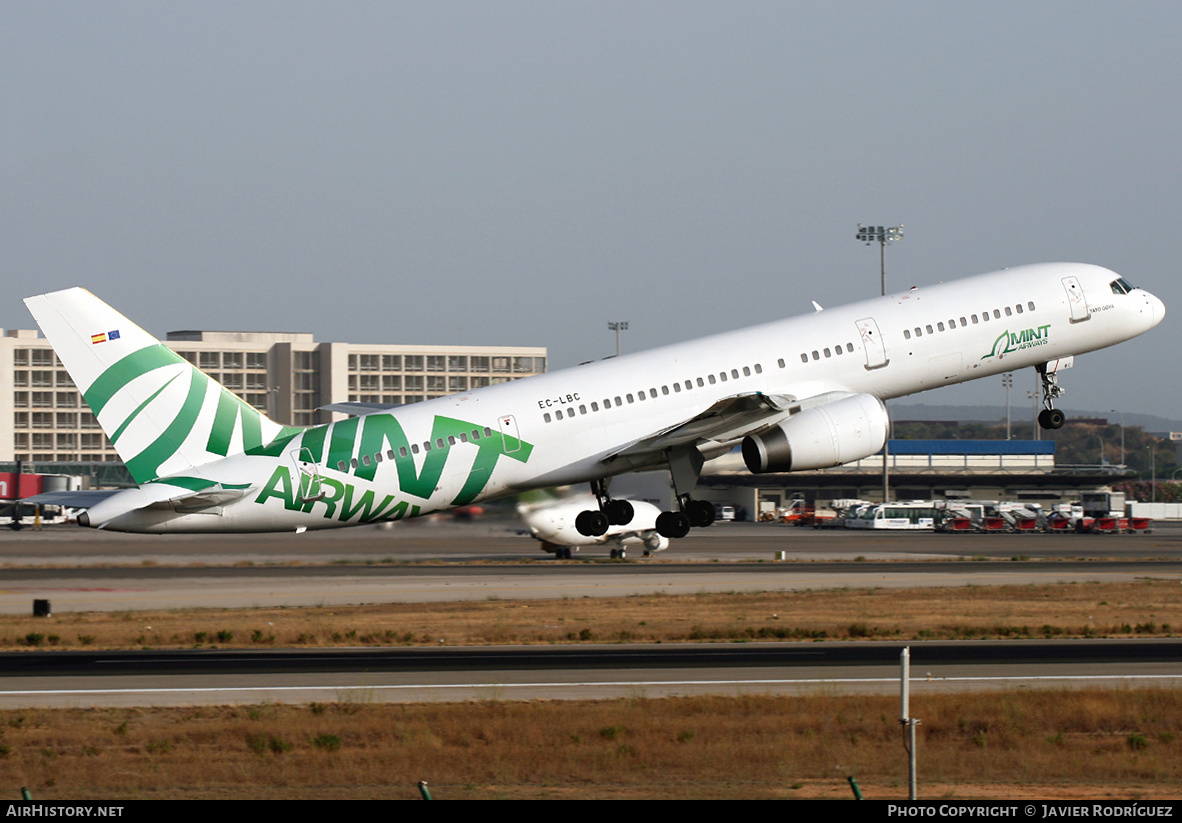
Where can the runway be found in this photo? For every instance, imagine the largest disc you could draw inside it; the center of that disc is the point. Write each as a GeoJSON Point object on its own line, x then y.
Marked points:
{"type": "Point", "coordinates": [87, 679]}
{"type": "Point", "coordinates": [84, 570]}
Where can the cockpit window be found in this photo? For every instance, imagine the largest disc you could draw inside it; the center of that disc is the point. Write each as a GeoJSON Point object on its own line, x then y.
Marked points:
{"type": "Point", "coordinates": [1121, 286]}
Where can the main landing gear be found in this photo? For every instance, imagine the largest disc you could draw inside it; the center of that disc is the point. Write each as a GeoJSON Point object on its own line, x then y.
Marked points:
{"type": "Point", "coordinates": [685, 465]}
{"type": "Point", "coordinates": [698, 513]}
{"type": "Point", "coordinates": [611, 513]}
{"type": "Point", "coordinates": [1050, 417]}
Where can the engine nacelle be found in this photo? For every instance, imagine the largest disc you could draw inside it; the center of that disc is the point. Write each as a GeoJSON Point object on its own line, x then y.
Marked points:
{"type": "Point", "coordinates": [821, 437]}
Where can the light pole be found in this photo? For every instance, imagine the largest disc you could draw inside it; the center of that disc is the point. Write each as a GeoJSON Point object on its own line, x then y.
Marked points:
{"type": "Point", "coordinates": [1122, 434]}
{"type": "Point", "coordinates": [883, 235]}
{"type": "Point", "coordinates": [1007, 380]}
{"type": "Point", "coordinates": [617, 326]}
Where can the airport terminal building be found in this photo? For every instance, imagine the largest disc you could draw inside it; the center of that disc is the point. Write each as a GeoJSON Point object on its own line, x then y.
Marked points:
{"type": "Point", "coordinates": [286, 375]}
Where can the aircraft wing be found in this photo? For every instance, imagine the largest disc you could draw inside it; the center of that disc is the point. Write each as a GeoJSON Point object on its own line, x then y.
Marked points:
{"type": "Point", "coordinates": [728, 419]}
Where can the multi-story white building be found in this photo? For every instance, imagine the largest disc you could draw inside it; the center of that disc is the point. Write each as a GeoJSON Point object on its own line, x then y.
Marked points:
{"type": "Point", "coordinates": [287, 376]}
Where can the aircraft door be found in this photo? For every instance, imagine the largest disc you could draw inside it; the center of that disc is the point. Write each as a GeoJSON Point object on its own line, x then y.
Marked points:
{"type": "Point", "coordinates": [873, 344]}
{"type": "Point", "coordinates": [1076, 299]}
{"type": "Point", "coordinates": [308, 474]}
{"type": "Point", "coordinates": [509, 433]}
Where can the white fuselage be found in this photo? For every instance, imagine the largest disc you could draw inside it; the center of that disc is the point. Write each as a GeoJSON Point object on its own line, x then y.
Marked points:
{"type": "Point", "coordinates": [578, 424]}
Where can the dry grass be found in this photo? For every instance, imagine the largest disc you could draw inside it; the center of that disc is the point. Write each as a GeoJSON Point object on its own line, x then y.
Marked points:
{"type": "Point", "coordinates": [1093, 744]}
{"type": "Point", "coordinates": [1146, 608]}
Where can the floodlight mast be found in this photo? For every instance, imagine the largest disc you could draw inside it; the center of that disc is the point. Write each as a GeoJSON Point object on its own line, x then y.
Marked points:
{"type": "Point", "coordinates": [617, 326]}
{"type": "Point", "coordinates": [884, 235]}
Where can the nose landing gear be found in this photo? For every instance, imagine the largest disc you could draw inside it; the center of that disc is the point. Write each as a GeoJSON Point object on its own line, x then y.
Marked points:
{"type": "Point", "coordinates": [1050, 417]}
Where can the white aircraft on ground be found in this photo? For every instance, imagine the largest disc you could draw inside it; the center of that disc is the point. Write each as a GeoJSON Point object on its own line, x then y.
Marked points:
{"type": "Point", "coordinates": [802, 393]}
{"type": "Point", "coordinates": [553, 522]}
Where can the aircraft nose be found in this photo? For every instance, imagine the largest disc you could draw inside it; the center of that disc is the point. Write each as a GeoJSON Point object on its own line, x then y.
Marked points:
{"type": "Point", "coordinates": [1157, 309]}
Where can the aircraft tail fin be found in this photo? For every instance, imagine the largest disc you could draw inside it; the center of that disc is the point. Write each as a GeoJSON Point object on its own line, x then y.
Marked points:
{"type": "Point", "coordinates": [162, 414]}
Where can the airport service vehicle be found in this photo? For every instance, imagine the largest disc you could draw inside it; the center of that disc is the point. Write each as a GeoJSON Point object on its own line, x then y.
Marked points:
{"type": "Point", "coordinates": [919, 514]}
{"type": "Point", "coordinates": [801, 393]}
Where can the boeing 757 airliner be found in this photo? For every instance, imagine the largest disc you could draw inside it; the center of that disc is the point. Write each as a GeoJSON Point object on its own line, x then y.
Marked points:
{"type": "Point", "coordinates": [802, 393]}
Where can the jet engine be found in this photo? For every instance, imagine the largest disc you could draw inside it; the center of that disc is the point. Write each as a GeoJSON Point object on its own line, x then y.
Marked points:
{"type": "Point", "coordinates": [820, 437]}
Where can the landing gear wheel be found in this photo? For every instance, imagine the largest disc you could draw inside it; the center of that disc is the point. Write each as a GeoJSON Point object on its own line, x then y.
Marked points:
{"type": "Point", "coordinates": [700, 512]}
{"type": "Point", "coordinates": [619, 512]}
{"type": "Point", "coordinates": [673, 524]}
{"type": "Point", "coordinates": [1051, 419]}
{"type": "Point", "coordinates": [591, 524]}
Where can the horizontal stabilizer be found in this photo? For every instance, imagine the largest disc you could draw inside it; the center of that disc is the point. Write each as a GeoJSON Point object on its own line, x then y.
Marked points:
{"type": "Point", "coordinates": [77, 499]}
{"type": "Point", "coordinates": [358, 409]}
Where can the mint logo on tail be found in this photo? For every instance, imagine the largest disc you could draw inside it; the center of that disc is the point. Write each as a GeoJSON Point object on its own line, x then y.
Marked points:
{"type": "Point", "coordinates": [144, 441]}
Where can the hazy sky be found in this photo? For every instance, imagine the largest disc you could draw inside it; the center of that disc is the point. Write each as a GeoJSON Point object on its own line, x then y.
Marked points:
{"type": "Point", "coordinates": [522, 172]}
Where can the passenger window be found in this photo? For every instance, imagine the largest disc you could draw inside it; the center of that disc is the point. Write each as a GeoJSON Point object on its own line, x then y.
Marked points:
{"type": "Point", "coordinates": [558, 414]}
{"type": "Point", "coordinates": [996, 314]}
{"type": "Point", "coordinates": [940, 326]}
{"type": "Point", "coordinates": [804, 358]}
{"type": "Point", "coordinates": [849, 348]}
{"type": "Point", "coordinates": [342, 465]}
{"type": "Point", "coordinates": [414, 448]}
{"type": "Point", "coordinates": [816, 355]}
{"type": "Point", "coordinates": [652, 393]}
{"type": "Point", "coordinates": [1019, 308]}
{"type": "Point", "coordinates": [1009, 313]}
{"type": "Point", "coordinates": [735, 373]}
{"type": "Point", "coordinates": [758, 369]}
{"type": "Point", "coordinates": [906, 334]}
{"type": "Point", "coordinates": [929, 328]}
{"type": "Point", "coordinates": [582, 409]}
{"type": "Point", "coordinates": [1030, 305]}
{"type": "Point", "coordinates": [594, 406]}
{"type": "Point", "coordinates": [827, 352]}
{"type": "Point", "coordinates": [711, 379]}
{"type": "Point", "coordinates": [546, 417]}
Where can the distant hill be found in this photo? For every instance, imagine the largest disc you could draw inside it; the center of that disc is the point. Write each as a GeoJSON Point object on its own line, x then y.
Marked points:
{"type": "Point", "coordinates": [993, 414]}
